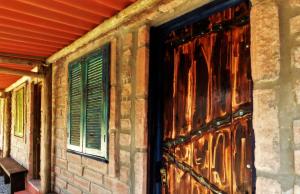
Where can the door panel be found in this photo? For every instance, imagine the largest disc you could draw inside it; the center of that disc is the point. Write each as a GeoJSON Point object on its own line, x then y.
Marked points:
{"type": "Point", "coordinates": [207, 106]}
{"type": "Point", "coordinates": [242, 156]}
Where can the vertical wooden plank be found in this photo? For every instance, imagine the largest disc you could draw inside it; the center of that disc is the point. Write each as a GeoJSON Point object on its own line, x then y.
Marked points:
{"type": "Point", "coordinates": [220, 161]}
{"type": "Point", "coordinates": [201, 162]}
{"type": "Point", "coordinates": [241, 68]}
{"type": "Point", "coordinates": [242, 158]}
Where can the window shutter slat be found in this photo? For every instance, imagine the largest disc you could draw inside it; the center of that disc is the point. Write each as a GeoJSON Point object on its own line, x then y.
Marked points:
{"type": "Point", "coordinates": [94, 104]}
{"type": "Point", "coordinates": [75, 103]}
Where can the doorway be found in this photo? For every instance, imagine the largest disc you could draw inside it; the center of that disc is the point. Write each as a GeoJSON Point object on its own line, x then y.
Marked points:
{"type": "Point", "coordinates": [37, 131]}
{"type": "Point", "coordinates": [201, 135]}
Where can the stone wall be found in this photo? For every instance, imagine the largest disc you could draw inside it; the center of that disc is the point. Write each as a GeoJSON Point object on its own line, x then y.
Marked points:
{"type": "Point", "coordinates": [275, 51]}
{"type": "Point", "coordinates": [126, 171]}
{"type": "Point", "coordinates": [276, 73]}
{"type": "Point", "coordinates": [19, 149]}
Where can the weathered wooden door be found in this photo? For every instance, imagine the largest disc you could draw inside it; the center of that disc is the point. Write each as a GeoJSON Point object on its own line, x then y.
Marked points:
{"type": "Point", "coordinates": [207, 106]}
{"type": "Point", "coordinates": [37, 131]}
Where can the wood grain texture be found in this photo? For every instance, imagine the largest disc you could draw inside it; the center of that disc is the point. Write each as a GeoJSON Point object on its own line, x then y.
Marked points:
{"type": "Point", "coordinates": [208, 107]}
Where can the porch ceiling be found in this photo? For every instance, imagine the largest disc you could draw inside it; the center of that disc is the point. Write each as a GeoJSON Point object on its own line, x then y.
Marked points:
{"type": "Point", "coordinates": [7, 80]}
{"type": "Point", "coordinates": [35, 28]}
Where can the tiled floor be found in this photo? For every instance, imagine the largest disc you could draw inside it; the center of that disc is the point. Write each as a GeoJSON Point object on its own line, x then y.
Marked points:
{"type": "Point", "coordinates": [4, 189]}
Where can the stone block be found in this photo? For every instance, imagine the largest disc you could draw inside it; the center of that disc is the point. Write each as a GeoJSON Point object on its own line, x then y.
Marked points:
{"type": "Point", "coordinates": [266, 127]}
{"type": "Point", "coordinates": [96, 189]}
{"type": "Point", "coordinates": [125, 124]}
{"type": "Point", "coordinates": [290, 191]}
{"type": "Point", "coordinates": [60, 183]}
{"type": "Point", "coordinates": [96, 165]}
{"type": "Point", "coordinates": [297, 161]}
{"type": "Point", "coordinates": [57, 171]}
{"type": "Point", "coordinates": [296, 189]}
{"type": "Point", "coordinates": [127, 41]}
{"type": "Point", "coordinates": [140, 171]}
{"type": "Point", "coordinates": [125, 157]}
{"type": "Point", "coordinates": [116, 186]}
{"type": "Point", "coordinates": [93, 176]}
{"type": "Point", "coordinates": [143, 36]}
{"type": "Point", "coordinates": [295, 57]}
{"type": "Point", "coordinates": [124, 174]}
{"type": "Point", "coordinates": [73, 190]}
{"type": "Point", "coordinates": [295, 3]}
{"type": "Point", "coordinates": [75, 168]}
{"type": "Point", "coordinates": [295, 24]}
{"type": "Point", "coordinates": [265, 42]}
{"type": "Point", "coordinates": [296, 129]}
{"type": "Point", "coordinates": [125, 139]}
{"type": "Point", "coordinates": [74, 157]}
{"type": "Point", "coordinates": [297, 91]}
{"type": "Point", "coordinates": [142, 72]}
{"type": "Point", "coordinates": [126, 90]}
{"type": "Point", "coordinates": [141, 127]}
{"type": "Point", "coordinates": [82, 183]}
{"type": "Point", "coordinates": [125, 108]}
{"type": "Point", "coordinates": [127, 54]}
{"type": "Point", "coordinates": [66, 175]}
{"type": "Point", "coordinates": [61, 163]}
{"type": "Point", "coordinates": [267, 186]}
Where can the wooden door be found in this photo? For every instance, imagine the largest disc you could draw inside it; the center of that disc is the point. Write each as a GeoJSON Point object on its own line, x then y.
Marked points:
{"type": "Point", "coordinates": [37, 131]}
{"type": "Point", "coordinates": [207, 106]}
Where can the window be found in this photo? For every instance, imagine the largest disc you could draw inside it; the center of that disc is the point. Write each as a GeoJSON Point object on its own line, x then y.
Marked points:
{"type": "Point", "coordinates": [19, 122]}
{"type": "Point", "coordinates": [89, 103]}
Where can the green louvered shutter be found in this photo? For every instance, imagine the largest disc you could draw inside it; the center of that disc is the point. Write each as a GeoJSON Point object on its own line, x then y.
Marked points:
{"type": "Point", "coordinates": [75, 100]}
{"type": "Point", "coordinates": [19, 129]}
{"type": "Point", "coordinates": [96, 102]}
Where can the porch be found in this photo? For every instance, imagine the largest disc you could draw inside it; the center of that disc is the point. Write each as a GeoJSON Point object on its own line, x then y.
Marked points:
{"type": "Point", "coordinates": [84, 95]}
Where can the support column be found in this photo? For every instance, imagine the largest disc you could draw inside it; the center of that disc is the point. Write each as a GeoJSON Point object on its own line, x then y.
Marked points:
{"type": "Point", "coordinates": [7, 125]}
{"type": "Point", "coordinates": [46, 134]}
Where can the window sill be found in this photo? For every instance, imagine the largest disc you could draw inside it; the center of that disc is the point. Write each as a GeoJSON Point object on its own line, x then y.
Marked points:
{"type": "Point", "coordinates": [98, 158]}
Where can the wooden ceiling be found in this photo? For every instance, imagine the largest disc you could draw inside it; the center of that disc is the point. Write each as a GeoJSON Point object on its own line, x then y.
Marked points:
{"type": "Point", "coordinates": [39, 28]}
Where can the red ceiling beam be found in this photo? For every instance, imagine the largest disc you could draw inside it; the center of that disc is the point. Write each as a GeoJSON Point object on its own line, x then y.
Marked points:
{"type": "Point", "coordinates": [89, 6]}
{"type": "Point", "coordinates": [17, 7]}
{"type": "Point", "coordinates": [117, 5]}
{"type": "Point", "coordinates": [45, 30]}
{"type": "Point", "coordinates": [22, 46]}
{"type": "Point", "coordinates": [29, 22]}
{"type": "Point", "coordinates": [30, 40]}
{"type": "Point", "coordinates": [30, 30]}
{"type": "Point", "coordinates": [64, 10]}
{"type": "Point", "coordinates": [24, 51]}
{"type": "Point", "coordinates": [27, 17]}
{"type": "Point", "coordinates": [33, 37]}
{"type": "Point", "coordinates": [33, 44]}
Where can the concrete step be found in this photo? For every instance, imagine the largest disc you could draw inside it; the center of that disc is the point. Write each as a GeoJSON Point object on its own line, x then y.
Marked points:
{"type": "Point", "coordinates": [33, 186]}
{"type": "Point", "coordinates": [22, 192]}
